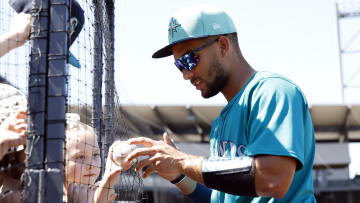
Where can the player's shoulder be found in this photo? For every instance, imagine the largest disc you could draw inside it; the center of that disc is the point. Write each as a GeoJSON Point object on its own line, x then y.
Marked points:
{"type": "Point", "coordinates": [268, 84]}
{"type": "Point", "coordinates": [270, 77]}
{"type": "Point", "coordinates": [272, 81]}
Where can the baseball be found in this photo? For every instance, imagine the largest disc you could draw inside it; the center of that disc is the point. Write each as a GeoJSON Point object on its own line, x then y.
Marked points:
{"type": "Point", "coordinates": [120, 150]}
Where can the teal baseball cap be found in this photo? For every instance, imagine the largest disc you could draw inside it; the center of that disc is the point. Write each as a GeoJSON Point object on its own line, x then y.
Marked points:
{"type": "Point", "coordinates": [196, 22]}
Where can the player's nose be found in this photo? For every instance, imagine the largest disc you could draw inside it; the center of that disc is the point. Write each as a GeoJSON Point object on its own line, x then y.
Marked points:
{"type": "Point", "coordinates": [187, 75]}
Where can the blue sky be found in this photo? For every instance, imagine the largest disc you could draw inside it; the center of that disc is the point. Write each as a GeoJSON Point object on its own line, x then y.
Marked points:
{"type": "Point", "coordinates": [297, 39]}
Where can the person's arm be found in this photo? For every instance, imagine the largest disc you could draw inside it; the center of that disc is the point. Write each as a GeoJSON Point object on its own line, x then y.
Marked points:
{"type": "Point", "coordinates": [265, 175]}
{"type": "Point", "coordinates": [268, 175]}
{"type": "Point", "coordinates": [273, 175]}
{"type": "Point", "coordinates": [17, 35]}
{"type": "Point", "coordinates": [12, 132]}
{"type": "Point", "coordinates": [105, 187]}
{"type": "Point", "coordinates": [193, 190]}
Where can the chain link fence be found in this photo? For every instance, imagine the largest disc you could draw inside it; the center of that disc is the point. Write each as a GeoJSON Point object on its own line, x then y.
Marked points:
{"type": "Point", "coordinates": [63, 79]}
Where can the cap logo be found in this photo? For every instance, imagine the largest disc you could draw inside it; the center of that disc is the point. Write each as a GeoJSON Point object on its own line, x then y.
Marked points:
{"type": "Point", "coordinates": [73, 24]}
{"type": "Point", "coordinates": [216, 26]}
{"type": "Point", "coordinates": [172, 26]}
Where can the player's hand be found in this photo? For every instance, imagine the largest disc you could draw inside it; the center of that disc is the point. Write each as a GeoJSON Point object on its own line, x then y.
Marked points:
{"type": "Point", "coordinates": [163, 157]}
{"type": "Point", "coordinates": [12, 132]}
{"type": "Point", "coordinates": [21, 26]}
{"type": "Point", "coordinates": [81, 193]}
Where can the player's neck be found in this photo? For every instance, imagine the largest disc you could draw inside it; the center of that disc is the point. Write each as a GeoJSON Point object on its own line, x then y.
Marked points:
{"type": "Point", "coordinates": [238, 77]}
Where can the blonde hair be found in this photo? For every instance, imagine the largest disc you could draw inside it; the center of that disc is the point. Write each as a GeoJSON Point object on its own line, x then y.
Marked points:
{"type": "Point", "coordinates": [74, 125]}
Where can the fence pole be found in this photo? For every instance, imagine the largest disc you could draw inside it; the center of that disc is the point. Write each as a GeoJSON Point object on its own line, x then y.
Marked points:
{"type": "Point", "coordinates": [109, 75]}
{"type": "Point", "coordinates": [56, 99]}
{"type": "Point", "coordinates": [98, 75]}
{"type": "Point", "coordinates": [47, 81]}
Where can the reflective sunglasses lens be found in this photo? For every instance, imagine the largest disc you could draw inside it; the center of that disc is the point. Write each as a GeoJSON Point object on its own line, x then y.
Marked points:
{"type": "Point", "coordinates": [179, 65]}
{"type": "Point", "coordinates": [189, 61]}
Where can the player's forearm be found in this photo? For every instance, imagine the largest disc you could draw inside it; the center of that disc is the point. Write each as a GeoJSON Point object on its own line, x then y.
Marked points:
{"type": "Point", "coordinates": [230, 175]}
{"type": "Point", "coordinates": [218, 173]}
{"type": "Point", "coordinates": [192, 166]}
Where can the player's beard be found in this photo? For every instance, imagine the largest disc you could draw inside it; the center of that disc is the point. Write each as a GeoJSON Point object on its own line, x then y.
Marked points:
{"type": "Point", "coordinates": [219, 81]}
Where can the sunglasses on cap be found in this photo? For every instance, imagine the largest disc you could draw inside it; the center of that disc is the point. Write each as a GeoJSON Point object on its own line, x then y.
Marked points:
{"type": "Point", "coordinates": [189, 60]}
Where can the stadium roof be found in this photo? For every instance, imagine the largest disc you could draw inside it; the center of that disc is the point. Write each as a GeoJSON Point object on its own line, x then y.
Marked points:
{"type": "Point", "coordinates": [332, 123]}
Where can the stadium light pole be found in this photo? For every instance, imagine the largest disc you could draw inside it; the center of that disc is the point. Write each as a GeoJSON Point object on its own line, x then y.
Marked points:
{"type": "Point", "coordinates": [340, 52]}
{"type": "Point", "coordinates": [352, 11]}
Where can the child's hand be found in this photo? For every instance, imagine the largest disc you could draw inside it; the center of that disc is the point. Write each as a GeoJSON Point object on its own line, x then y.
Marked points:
{"type": "Point", "coordinates": [15, 123]}
{"type": "Point", "coordinates": [105, 191]}
{"type": "Point", "coordinates": [12, 132]}
{"type": "Point", "coordinates": [112, 170]}
{"type": "Point", "coordinates": [81, 193]}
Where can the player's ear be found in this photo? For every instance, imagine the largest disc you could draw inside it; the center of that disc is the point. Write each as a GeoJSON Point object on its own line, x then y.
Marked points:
{"type": "Point", "coordinates": [224, 44]}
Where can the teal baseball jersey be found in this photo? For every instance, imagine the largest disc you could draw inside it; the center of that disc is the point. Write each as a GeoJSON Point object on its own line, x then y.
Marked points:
{"type": "Point", "coordinates": [269, 116]}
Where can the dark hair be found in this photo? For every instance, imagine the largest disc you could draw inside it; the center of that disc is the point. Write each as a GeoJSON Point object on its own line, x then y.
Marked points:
{"type": "Point", "coordinates": [4, 81]}
{"type": "Point", "coordinates": [234, 41]}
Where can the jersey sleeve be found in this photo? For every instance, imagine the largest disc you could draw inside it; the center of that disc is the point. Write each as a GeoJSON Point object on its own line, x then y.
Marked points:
{"type": "Point", "coordinates": [276, 120]}
{"type": "Point", "coordinates": [200, 194]}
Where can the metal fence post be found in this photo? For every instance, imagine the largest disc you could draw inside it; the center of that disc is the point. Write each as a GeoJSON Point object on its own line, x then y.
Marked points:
{"type": "Point", "coordinates": [109, 75]}
{"type": "Point", "coordinates": [98, 75]}
{"type": "Point", "coordinates": [56, 99]}
{"type": "Point", "coordinates": [47, 92]}
{"type": "Point", "coordinates": [35, 152]}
